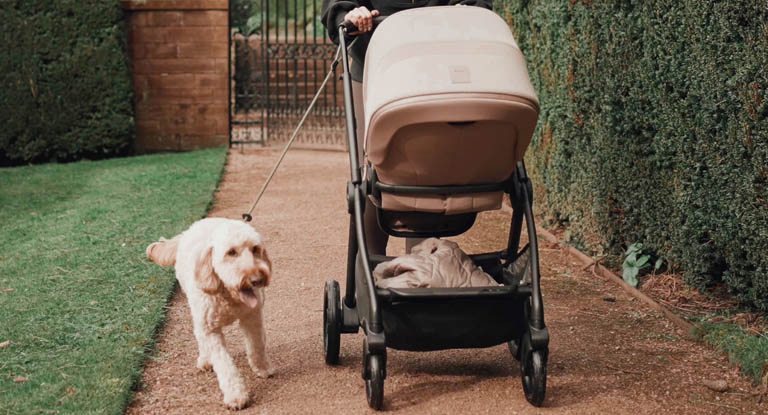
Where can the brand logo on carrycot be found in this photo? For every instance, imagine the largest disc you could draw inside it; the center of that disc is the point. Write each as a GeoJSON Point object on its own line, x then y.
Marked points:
{"type": "Point", "coordinates": [459, 74]}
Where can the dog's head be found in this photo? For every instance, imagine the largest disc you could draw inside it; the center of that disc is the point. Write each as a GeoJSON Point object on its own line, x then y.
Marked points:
{"type": "Point", "coordinates": [235, 261]}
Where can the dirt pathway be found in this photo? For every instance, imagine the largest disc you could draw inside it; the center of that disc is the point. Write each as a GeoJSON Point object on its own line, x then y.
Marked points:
{"type": "Point", "coordinates": [608, 354]}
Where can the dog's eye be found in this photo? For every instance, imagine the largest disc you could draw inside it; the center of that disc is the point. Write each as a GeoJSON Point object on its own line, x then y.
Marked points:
{"type": "Point", "coordinates": [256, 250]}
{"type": "Point", "coordinates": [232, 252]}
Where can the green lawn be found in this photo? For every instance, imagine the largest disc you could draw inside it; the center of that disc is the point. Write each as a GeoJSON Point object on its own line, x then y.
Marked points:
{"type": "Point", "coordinates": [79, 301]}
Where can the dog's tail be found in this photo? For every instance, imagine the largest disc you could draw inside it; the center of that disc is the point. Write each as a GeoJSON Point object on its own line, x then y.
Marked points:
{"type": "Point", "coordinates": [163, 252]}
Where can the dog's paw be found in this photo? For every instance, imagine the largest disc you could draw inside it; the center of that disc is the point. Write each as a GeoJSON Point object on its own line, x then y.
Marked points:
{"type": "Point", "coordinates": [236, 399]}
{"type": "Point", "coordinates": [264, 373]}
{"type": "Point", "coordinates": [204, 365]}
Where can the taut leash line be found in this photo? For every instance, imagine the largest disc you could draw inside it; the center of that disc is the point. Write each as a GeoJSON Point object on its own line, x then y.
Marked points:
{"type": "Point", "coordinates": [247, 216]}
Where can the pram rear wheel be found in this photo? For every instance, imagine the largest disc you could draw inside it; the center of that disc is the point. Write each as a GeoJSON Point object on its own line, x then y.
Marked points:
{"type": "Point", "coordinates": [374, 386]}
{"type": "Point", "coordinates": [331, 322]}
{"type": "Point", "coordinates": [533, 365]}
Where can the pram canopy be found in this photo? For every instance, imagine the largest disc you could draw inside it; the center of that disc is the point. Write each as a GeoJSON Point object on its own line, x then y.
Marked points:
{"type": "Point", "coordinates": [448, 101]}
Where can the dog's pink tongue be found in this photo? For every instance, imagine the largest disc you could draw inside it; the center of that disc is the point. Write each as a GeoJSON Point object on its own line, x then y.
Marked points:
{"type": "Point", "coordinates": [249, 298]}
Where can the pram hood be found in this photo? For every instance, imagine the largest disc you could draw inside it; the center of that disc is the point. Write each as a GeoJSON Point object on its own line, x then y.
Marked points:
{"type": "Point", "coordinates": [447, 98]}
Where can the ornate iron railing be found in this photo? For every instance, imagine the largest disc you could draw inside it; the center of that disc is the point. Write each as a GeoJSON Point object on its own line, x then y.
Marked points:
{"type": "Point", "coordinates": [280, 55]}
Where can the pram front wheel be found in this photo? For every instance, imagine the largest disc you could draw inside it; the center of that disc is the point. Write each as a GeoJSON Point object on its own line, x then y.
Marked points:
{"type": "Point", "coordinates": [331, 322]}
{"type": "Point", "coordinates": [533, 365]}
{"type": "Point", "coordinates": [374, 385]}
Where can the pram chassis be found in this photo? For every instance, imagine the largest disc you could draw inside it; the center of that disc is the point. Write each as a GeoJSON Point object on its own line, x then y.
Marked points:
{"type": "Point", "coordinates": [371, 308]}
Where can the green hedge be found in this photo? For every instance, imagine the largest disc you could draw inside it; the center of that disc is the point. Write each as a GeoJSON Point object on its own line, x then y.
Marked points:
{"type": "Point", "coordinates": [654, 129]}
{"type": "Point", "coordinates": [65, 89]}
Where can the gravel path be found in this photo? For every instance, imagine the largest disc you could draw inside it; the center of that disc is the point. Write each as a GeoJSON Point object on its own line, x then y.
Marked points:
{"type": "Point", "coordinates": [608, 354]}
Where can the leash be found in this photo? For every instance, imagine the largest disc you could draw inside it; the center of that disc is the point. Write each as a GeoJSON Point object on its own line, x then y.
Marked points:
{"type": "Point", "coordinates": [247, 216]}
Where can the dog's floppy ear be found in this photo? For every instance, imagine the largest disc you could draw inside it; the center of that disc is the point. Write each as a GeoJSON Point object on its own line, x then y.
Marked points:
{"type": "Point", "coordinates": [205, 276]}
{"type": "Point", "coordinates": [266, 270]}
{"type": "Point", "coordinates": [163, 252]}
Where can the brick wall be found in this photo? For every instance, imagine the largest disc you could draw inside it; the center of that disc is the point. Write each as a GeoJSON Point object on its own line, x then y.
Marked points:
{"type": "Point", "coordinates": [179, 55]}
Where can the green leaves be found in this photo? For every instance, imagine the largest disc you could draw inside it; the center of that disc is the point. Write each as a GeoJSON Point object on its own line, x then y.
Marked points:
{"type": "Point", "coordinates": [634, 262]}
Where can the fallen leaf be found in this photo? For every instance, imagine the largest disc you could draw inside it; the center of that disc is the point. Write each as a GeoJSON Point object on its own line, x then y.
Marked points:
{"type": "Point", "coordinates": [70, 390]}
{"type": "Point", "coordinates": [20, 379]}
{"type": "Point", "coordinates": [5, 344]}
{"type": "Point", "coordinates": [7, 290]}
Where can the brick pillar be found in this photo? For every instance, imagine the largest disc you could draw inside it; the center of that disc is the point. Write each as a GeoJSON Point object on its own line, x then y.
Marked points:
{"type": "Point", "coordinates": [179, 58]}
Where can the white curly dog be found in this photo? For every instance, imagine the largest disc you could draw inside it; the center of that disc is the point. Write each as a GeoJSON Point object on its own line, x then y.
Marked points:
{"type": "Point", "coordinates": [222, 267]}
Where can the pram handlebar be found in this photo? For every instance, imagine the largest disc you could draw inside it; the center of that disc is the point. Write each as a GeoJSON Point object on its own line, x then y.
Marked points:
{"type": "Point", "coordinates": [350, 27]}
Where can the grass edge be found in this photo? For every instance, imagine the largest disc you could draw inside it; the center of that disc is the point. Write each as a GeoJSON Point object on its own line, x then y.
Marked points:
{"type": "Point", "coordinates": [150, 347]}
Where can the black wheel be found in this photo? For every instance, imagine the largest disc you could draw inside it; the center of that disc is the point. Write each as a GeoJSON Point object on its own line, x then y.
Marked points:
{"type": "Point", "coordinates": [533, 365]}
{"type": "Point", "coordinates": [331, 322]}
{"type": "Point", "coordinates": [374, 386]}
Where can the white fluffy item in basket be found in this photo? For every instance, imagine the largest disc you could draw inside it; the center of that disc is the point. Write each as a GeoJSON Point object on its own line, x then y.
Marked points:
{"type": "Point", "coordinates": [434, 263]}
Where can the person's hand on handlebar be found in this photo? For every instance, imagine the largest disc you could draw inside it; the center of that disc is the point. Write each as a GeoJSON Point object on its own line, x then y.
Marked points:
{"type": "Point", "coordinates": [362, 18]}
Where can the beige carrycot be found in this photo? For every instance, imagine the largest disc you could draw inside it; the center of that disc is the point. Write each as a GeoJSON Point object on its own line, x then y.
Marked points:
{"type": "Point", "coordinates": [448, 102]}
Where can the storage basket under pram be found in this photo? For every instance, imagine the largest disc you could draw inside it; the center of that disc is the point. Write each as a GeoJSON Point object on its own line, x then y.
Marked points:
{"type": "Point", "coordinates": [449, 111]}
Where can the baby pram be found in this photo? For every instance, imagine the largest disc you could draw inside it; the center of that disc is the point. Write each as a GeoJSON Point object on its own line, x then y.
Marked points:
{"type": "Point", "coordinates": [449, 111]}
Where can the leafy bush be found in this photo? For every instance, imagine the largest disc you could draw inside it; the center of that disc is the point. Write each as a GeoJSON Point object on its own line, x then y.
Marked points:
{"type": "Point", "coordinates": [247, 16]}
{"type": "Point", "coordinates": [654, 128]}
{"type": "Point", "coordinates": [65, 89]}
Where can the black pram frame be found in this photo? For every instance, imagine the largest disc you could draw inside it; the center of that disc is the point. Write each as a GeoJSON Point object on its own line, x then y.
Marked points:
{"type": "Point", "coordinates": [422, 319]}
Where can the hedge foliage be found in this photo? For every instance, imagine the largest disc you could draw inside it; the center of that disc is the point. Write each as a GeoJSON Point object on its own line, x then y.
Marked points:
{"type": "Point", "coordinates": [654, 129]}
{"type": "Point", "coordinates": [65, 89]}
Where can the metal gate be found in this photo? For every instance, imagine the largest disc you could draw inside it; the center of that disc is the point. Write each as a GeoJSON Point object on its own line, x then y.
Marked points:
{"type": "Point", "coordinates": [280, 54]}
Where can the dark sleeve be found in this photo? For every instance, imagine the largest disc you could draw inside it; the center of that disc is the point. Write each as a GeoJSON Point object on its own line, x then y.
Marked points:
{"type": "Point", "coordinates": [488, 4]}
{"type": "Point", "coordinates": [333, 15]}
